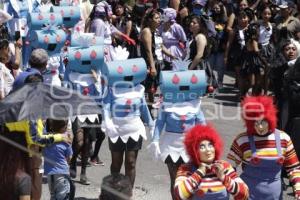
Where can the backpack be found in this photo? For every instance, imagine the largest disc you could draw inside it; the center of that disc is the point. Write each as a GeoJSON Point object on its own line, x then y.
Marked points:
{"type": "Point", "coordinates": [213, 44]}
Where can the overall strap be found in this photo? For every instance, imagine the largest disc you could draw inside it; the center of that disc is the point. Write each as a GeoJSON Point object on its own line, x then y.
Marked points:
{"type": "Point", "coordinates": [278, 142]}
{"type": "Point", "coordinates": [252, 144]}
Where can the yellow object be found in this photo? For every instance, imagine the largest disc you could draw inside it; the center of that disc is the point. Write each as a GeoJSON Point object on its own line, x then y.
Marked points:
{"type": "Point", "coordinates": [33, 132]}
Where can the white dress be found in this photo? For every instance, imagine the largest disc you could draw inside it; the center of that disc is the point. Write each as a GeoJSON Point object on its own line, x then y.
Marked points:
{"type": "Point", "coordinates": [171, 144]}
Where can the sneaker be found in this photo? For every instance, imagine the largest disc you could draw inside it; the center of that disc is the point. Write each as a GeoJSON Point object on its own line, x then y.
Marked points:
{"type": "Point", "coordinates": [96, 162]}
{"type": "Point", "coordinates": [88, 164]}
{"type": "Point", "coordinates": [84, 180]}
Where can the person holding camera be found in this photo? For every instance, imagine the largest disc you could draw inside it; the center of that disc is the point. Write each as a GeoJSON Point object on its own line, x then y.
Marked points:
{"type": "Point", "coordinates": [207, 177]}
{"type": "Point", "coordinates": [255, 67]}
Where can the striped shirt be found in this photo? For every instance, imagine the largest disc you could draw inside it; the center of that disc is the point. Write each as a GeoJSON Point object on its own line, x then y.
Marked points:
{"type": "Point", "coordinates": [190, 182]}
{"type": "Point", "coordinates": [240, 153]}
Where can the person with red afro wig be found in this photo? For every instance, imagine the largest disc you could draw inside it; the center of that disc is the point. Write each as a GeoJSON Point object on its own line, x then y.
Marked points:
{"type": "Point", "coordinates": [257, 108]}
{"type": "Point", "coordinates": [206, 176]}
{"type": "Point", "coordinates": [263, 150]}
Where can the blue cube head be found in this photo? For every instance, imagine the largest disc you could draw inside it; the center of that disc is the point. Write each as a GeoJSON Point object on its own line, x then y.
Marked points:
{"type": "Point", "coordinates": [70, 14]}
{"type": "Point", "coordinates": [37, 21]}
{"type": "Point", "coordinates": [50, 40]}
{"type": "Point", "coordinates": [125, 73]}
{"type": "Point", "coordinates": [86, 40]}
{"type": "Point", "coordinates": [181, 86]}
{"type": "Point", "coordinates": [83, 60]}
{"type": "Point", "coordinates": [65, 2]}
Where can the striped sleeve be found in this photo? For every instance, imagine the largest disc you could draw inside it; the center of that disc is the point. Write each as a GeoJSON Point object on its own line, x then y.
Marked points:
{"type": "Point", "coordinates": [235, 154]}
{"type": "Point", "coordinates": [292, 165]}
{"type": "Point", "coordinates": [234, 184]}
{"type": "Point", "coordinates": [186, 182]}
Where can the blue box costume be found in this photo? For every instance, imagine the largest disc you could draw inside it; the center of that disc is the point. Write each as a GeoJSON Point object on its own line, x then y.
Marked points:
{"type": "Point", "coordinates": [90, 40]}
{"type": "Point", "coordinates": [124, 105]}
{"type": "Point", "coordinates": [81, 60]}
{"type": "Point", "coordinates": [70, 14]}
{"type": "Point", "coordinates": [179, 111]}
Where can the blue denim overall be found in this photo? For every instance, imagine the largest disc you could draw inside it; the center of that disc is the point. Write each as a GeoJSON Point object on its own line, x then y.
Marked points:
{"type": "Point", "coordinates": [263, 175]}
{"type": "Point", "coordinates": [221, 195]}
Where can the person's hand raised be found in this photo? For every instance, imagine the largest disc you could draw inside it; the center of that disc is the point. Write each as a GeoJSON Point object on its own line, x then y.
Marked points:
{"type": "Point", "coordinates": [219, 170]}
{"type": "Point", "coordinates": [203, 167]}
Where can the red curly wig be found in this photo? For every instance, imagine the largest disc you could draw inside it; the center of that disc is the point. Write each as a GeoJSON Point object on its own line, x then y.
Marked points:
{"type": "Point", "coordinates": [196, 135]}
{"type": "Point", "coordinates": [257, 108]}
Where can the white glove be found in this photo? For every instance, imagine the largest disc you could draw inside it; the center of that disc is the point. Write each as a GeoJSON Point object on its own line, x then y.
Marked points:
{"type": "Point", "coordinates": [110, 128]}
{"type": "Point", "coordinates": [154, 149]}
{"type": "Point", "coordinates": [151, 131]}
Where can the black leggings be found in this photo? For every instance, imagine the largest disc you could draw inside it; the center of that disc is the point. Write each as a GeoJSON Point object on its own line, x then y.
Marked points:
{"type": "Point", "coordinates": [172, 168]}
{"type": "Point", "coordinates": [130, 163]}
{"type": "Point", "coordinates": [100, 136]}
{"type": "Point", "coordinates": [81, 145]}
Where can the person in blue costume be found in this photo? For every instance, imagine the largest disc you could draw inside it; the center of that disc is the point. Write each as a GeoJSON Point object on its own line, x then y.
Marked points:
{"type": "Point", "coordinates": [50, 31]}
{"type": "Point", "coordinates": [83, 75]}
{"type": "Point", "coordinates": [179, 111]}
{"type": "Point", "coordinates": [20, 10]}
{"type": "Point", "coordinates": [124, 112]}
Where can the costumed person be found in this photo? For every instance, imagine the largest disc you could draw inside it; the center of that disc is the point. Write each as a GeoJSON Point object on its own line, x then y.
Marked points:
{"type": "Point", "coordinates": [71, 16]}
{"type": "Point", "coordinates": [45, 34]}
{"type": "Point", "coordinates": [179, 111]}
{"type": "Point", "coordinates": [20, 10]}
{"type": "Point", "coordinates": [80, 40]}
{"type": "Point", "coordinates": [124, 112]}
{"type": "Point", "coordinates": [18, 26]}
{"type": "Point", "coordinates": [174, 38]}
{"type": "Point", "coordinates": [100, 24]}
{"type": "Point", "coordinates": [206, 176]}
{"type": "Point", "coordinates": [83, 74]}
{"type": "Point", "coordinates": [263, 150]}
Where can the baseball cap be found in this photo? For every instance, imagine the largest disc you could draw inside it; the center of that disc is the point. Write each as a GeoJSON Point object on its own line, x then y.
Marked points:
{"type": "Point", "coordinates": [200, 2]}
{"type": "Point", "coordinates": [286, 4]}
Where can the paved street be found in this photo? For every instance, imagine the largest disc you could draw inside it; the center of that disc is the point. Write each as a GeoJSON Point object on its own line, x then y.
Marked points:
{"type": "Point", "coordinates": [152, 179]}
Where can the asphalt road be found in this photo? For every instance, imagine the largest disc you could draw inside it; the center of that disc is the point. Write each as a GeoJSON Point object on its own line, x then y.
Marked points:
{"type": "Point", "coordinates": [152, 179]}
